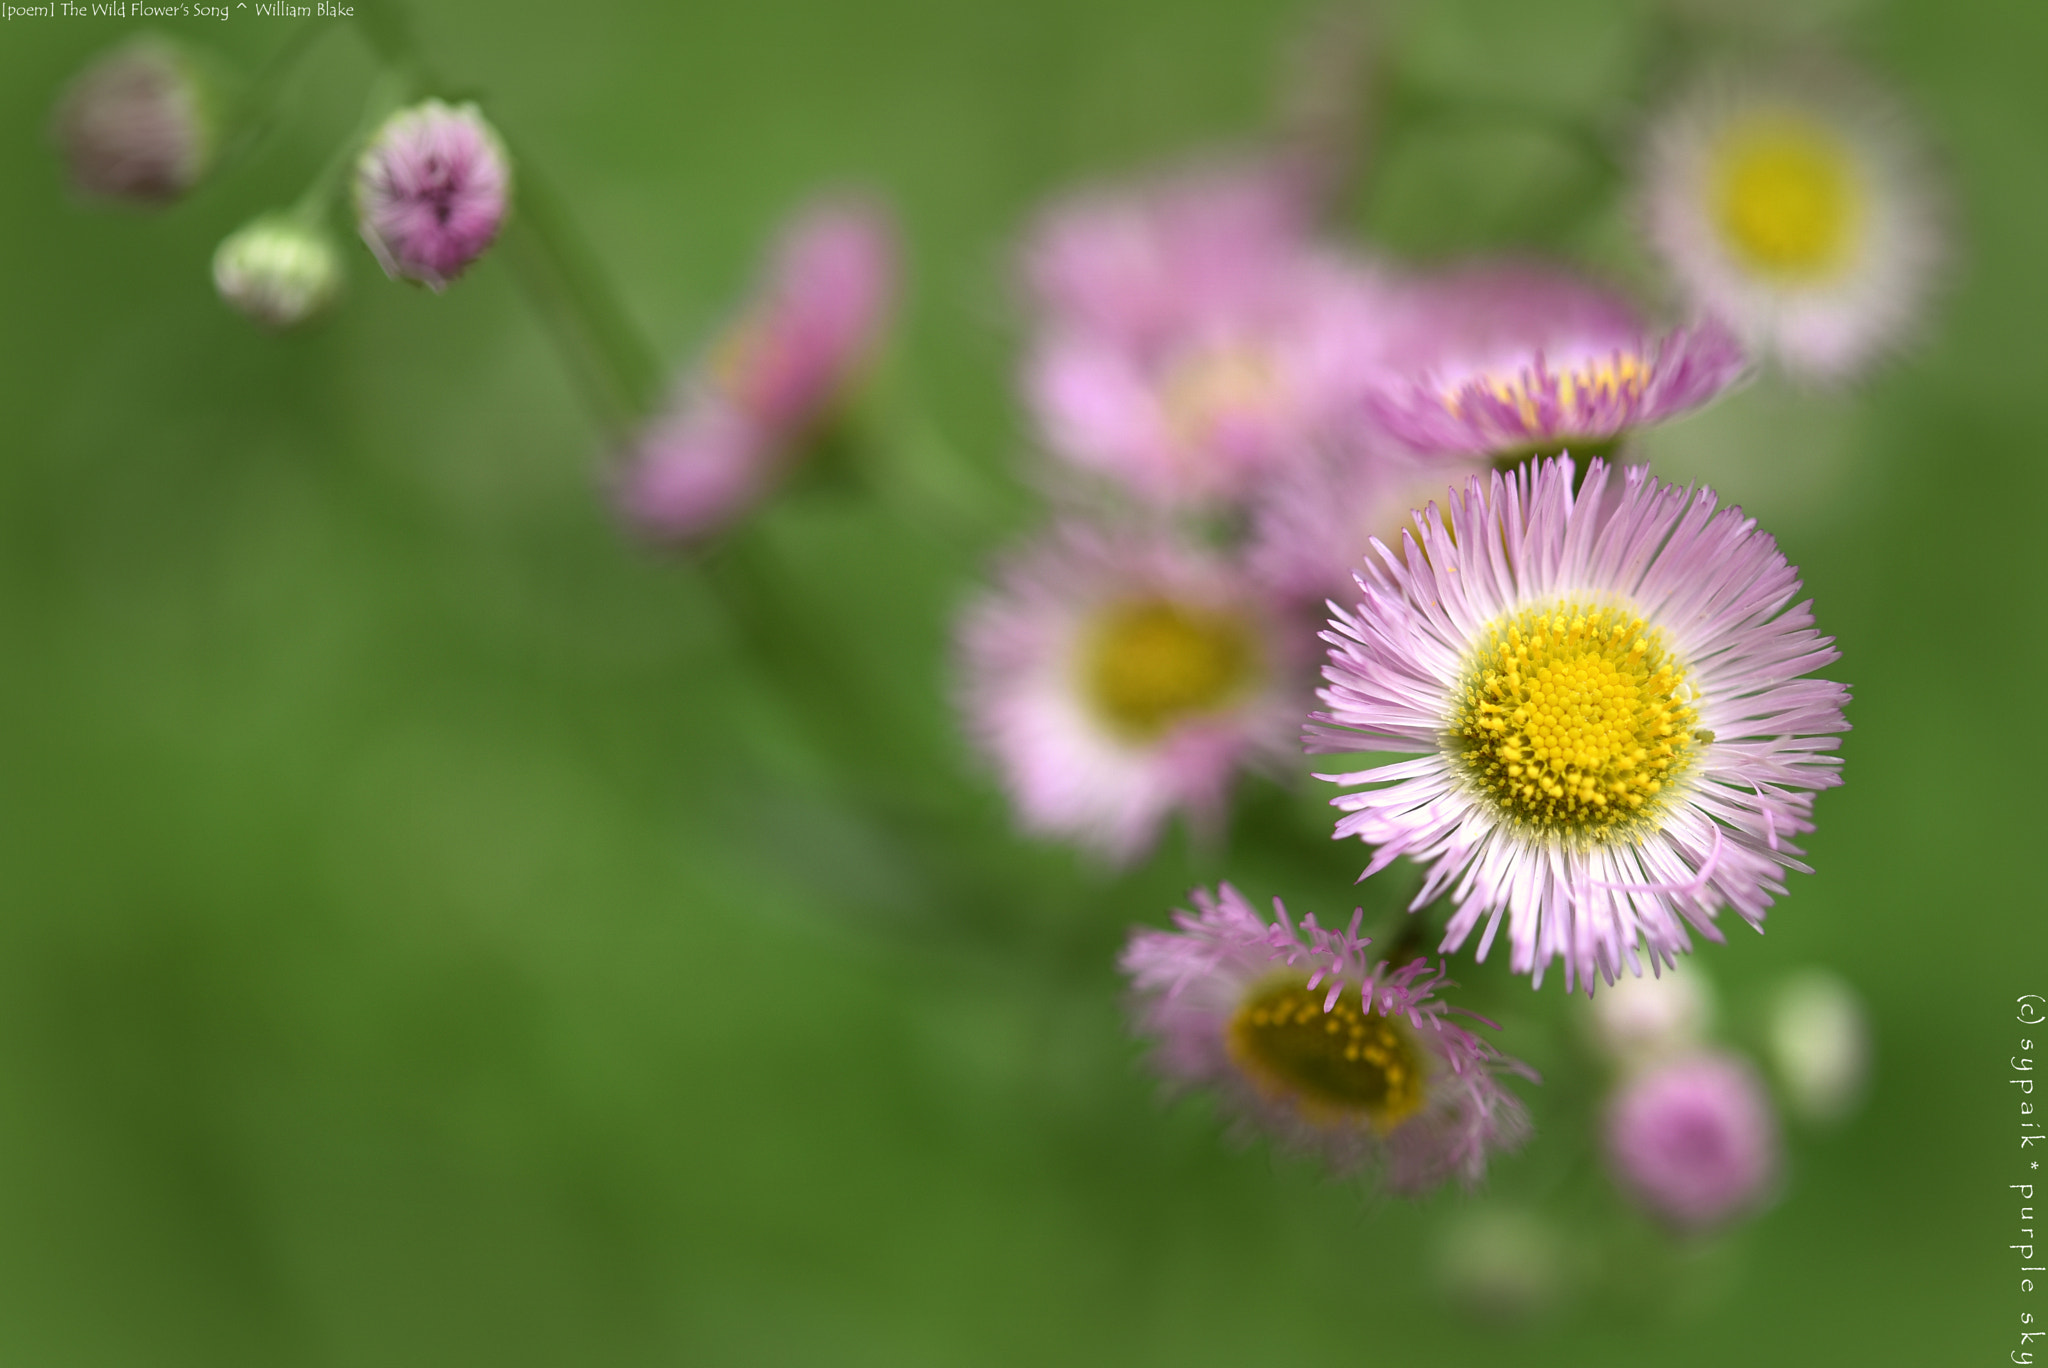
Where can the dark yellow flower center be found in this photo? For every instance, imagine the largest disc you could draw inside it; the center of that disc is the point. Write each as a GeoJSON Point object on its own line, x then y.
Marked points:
{"type": "Point", "coordinates": [1345, 1062]}
{"type": "Point", "coordinates": [1153, 663]}
{"type": "Point", "coordinates": [1573, 720]}
{"type": "Point", "coordinates": [1786, 196]}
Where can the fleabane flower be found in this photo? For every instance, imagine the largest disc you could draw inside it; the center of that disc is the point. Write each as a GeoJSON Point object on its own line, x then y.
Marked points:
{"type": "Point", "coordinates": [1508, 359]}
{"type": "Point", "coordinates": [432, 188]}
{"type": "Point", "coordinates": [1190, 338]}
{"type": "Point", "coordinates": [1313, 1043]}
{"type": "Point", "coordinates": [743, 408]}
{"type": "Point", "coordinates": [1800, 210]}
{"type": "Point", "coordinates": [1604, 693]}
{"type": "Point", "coordinates": [137, 125]}
{"type": "Point", "coordinates": [1118, 676]}
{"type": "Point", "coordinates": [1694, 1142]}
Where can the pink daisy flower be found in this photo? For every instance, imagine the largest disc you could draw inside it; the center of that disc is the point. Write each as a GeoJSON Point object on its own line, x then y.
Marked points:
{"type": "Point", "coordinates": [1799, 208]}
{"type": "Point", "coordinates": [1513, 358]}
{"type": "Point", "coordinates": [432, 190]}
{"type": "Point", "coordinates": [1192, 338]}
{"type": "Point", "coordinates": [1605, 691]}
{"type": "Point", "coordinates": [1694, 1142]}
{"type": "Point", "coordinates": [1312, 1043]}
{"type": "Point", "coordinates": [1118, 677]}
{"type": "Point", "coordinates": [742, 410]}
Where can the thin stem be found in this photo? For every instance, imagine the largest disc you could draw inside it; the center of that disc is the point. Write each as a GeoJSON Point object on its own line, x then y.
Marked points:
{"type": "Point", "coordinates": [257, 107]}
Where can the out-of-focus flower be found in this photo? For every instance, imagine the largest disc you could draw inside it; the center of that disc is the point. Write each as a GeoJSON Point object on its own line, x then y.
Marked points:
{"type": "Point", "coordinates": [1636, 1020]}
{"type": "Point", "coordinates": [279, 270]}
{"type": "Point", "coordinates": [135, 125]}
{"type": "Point", "coordinates": [1140, 261]}
{"type": "Point", "coordinates": [1314, 521]}
{"type": "Point", "coordinates": [1513, 358]}
{"type": "Point", "coordinates": [1312, 1043]}
{"type": "Point", "coordinates": [1799, 210]}
{"type": "Point", "coordinates": [1604, 691]}
{"type": "Point", "coordinates": [432, 189]}
{"type": "Point", "coordinates": [1191, 338]}
{"type": "Point", "coordinates": [742, 410]}
{"type": "Point", "coordinates": [1115, 677]}
{"type": "Point", "coordinates": [1820, 1045]}
{"type": "Point", "coordinates": [1694, 1141]}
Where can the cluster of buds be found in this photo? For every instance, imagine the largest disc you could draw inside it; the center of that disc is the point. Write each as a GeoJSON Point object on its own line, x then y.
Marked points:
{"type": "Point", "coordinates": [433, 183]}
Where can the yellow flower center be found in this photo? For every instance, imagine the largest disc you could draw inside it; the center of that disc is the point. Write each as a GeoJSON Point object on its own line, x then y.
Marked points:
{"type": "Point", "coordinates": [1211, 387]}
{"type": "Point", "coordinates": [1574, 720]}
{"type": "Point", "coordinates": [1623, 375]}
{"type": "Point", "coordinates": [1786, 196]}
{"type": "Point", "coordinates": [1153, 663]}
{"type": "Point", "coordinates": [1336, 1064]}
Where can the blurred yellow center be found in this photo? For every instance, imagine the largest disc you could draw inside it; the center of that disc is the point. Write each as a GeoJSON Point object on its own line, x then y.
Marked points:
{"type": "Point", "coordinates": [1210, 388]}
{"type": "Point", "coordinates": [1786, 197]}
{"type": "Point", "coordinates": [1334, 1064]}
{"type": "Point", "coordinates": [1153, 663]}
{"type": "Point", "coordinates": [1574, 719]}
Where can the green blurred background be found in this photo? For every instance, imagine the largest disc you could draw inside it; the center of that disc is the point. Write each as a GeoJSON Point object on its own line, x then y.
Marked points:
{"type": "Point", "coordinates": [429, 937]}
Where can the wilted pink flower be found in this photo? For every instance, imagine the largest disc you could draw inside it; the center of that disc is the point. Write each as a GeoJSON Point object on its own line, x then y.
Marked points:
{"type": "Point", "coordinates": [134, 125]}
{"type": "Point", "coordinates": [1190, 338]}
{"type": "Point", "coordinates": [1503, 358]}
{"type": "Point", "coordinates": [1312, 1043]}
{"type": "Point", "coordinates": [432, 190]}
{"type": "Point", "coordinates": [1694, 1141]}
{"type": "Point", "coordinates": [1604, 693]}
{"type": "Point", "coordinates": [1115, 677]}
{"type": "Point", "coordinates": [743, 408]}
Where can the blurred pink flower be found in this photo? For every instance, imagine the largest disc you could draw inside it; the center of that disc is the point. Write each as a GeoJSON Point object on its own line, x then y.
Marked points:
{"type": "Point", "coordinates": [432, 189]}
{"type": "Point", "coordinates": [1115, 677]}
{"type": "Point", "coordinates": [1309, 1041]}
{"type": "Point", "coordinates": [1694, 1141]}
{"type": "Point", "coordinates": [134, 125]}
{"type": "Point", "coordinates": [743, 409]}
{"type": "Point", "coordinates": [1314, 521]}
{"type": "Point", "coordinates": [1503, 358]}
{"type": "Point", "coordinates": [1190, 337]}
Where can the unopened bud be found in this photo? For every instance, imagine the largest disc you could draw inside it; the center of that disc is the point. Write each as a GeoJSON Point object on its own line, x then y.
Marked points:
{"type": "Point", "coordinates": [278, 270]}
{"type": "Point", "coordinates": [134, 126]}
{"type": "Point", "coordinates": [432, 189]}
{"type": "Point", "coordinates": [1820, 1045]}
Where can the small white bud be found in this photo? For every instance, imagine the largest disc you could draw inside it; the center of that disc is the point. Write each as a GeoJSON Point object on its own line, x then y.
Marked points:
{"type": "Point", "coordinates": [278, 270]}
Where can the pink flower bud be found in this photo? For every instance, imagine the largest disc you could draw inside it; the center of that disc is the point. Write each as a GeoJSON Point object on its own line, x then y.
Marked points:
{"type": "Point", "coordinates": [1695, 1141]}
{"type": "Point", "coordinates": [432, 189]}
{"type": "Point", "coordinates": [134, 125]}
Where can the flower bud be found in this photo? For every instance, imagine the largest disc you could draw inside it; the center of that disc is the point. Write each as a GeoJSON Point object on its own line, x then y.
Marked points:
{"type": "Point", "coordinates": [1820, 1045]}
{"type": "Point", "coordinates": [134, 126]}
{"type": "Point", "coordinates": [1694, 1141]}
{"type": "Point", "coordinates": [278, 270]}
{"type": "Point", "coordinates": [1637, 1021]}
{"type": "Point", "coordinates": [431, 192]}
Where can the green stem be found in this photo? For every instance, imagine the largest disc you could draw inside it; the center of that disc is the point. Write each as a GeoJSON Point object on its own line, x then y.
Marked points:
{"type": "Point", "coordinates": [256, 108]}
